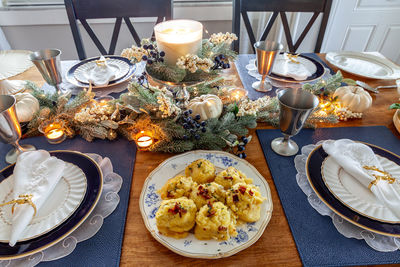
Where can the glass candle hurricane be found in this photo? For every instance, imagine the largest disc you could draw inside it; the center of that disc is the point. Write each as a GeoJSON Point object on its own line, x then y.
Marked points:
{"type": "Point", "coordinates": [53, 131]}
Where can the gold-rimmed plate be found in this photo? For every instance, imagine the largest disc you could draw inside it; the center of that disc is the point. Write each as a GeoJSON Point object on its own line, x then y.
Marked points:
{"type": "Point", "coordinates": [94, 179]}
{"type": "Point", "coordinates": [313, 170]}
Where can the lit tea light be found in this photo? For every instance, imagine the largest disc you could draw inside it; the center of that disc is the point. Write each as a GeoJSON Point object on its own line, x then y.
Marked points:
{"type": "Point", "coordinates": [103, 101]}
{"type": "Point", "coordinates": [54, 132]}
{"type": "Point", "coordinates": [143, 140]}
{"type": "Point", "coordinates": [178, 38]}
{"type": "Point", "coordinates": [237, 94]}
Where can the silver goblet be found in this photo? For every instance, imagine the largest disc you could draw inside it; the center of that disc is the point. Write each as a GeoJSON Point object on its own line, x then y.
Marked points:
{"type": "Point", "coordinates": [48, 63]}
{"type": "Point", "coordinates": [10, 130]}
{"type": "Point", "coordinates": [266, 54]}
{"type": "Point", "coordinates": [295, 107]}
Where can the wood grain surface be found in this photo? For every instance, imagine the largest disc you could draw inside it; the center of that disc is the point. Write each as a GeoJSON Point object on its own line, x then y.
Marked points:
{"type": "Point", "coordinates": [276, 246]}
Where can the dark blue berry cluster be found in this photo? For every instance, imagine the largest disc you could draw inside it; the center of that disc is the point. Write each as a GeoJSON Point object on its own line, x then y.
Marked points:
{"type": "Point", "coordinates": [221, 61]}
{"type": "Point", "coordinates": [241, 147]}
{"type": "Point", "coordinates": [142, 79]}
{"type": "Point", "coordinates": [153, 55]}
{"type": "Point", "coordinates": [192, 125]}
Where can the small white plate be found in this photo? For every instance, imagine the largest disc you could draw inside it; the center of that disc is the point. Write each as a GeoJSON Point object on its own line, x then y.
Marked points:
{"type": "Point", "coordinates": [120, 68]}
{"type": "Point", "coordinates": [354, 195]}
{"type": "Point", "coordinates": [61, 204]}
{"type": "Point", "coordinates": [248, 233]}
{"type": "Point", "coordinates": [364, 65]}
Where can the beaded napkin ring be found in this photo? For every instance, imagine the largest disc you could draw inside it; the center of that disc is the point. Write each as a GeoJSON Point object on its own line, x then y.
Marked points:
{"type": "Point", "coordinates": [385, 177]}
{"type": "Point", "coordinates": [23, 199]}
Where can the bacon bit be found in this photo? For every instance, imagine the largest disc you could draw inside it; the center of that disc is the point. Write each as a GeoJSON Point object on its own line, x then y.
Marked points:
{"type": "Point", "coordinates": [169, 194]}
{"type": "Point", "coordinates": [251, 193]}
{"type": "Point", "coordinates": [242, 189]}
{"type": "Point", "coordinates": [235, 198]}
{"type": "Point", "coordinates": [222, 228]}
{"type": "Point", "coordinates": [228, 178]}
{"type": "Point", "coordinates": [203, 192]}
{"type": "Point", "coordinates": [177, 209]}
{"type": "Point", "coordinates": [210, 211]}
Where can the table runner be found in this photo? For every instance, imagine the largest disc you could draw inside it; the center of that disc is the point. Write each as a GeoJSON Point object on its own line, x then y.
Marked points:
{"type": "Point", "coordinates": [241, 62]}
{"type": "Point", "coordinates": [316, 238]}
{"type": "Point", "coordinates": [103, 249]}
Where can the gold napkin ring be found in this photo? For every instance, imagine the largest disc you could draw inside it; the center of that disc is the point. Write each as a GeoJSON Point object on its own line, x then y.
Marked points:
{"type": "Point", "coordinates": [385, 177]}
{"type": "Point", "coordinates": [293, 57]}
{"type": "Point", "coordinates": [23, 199]}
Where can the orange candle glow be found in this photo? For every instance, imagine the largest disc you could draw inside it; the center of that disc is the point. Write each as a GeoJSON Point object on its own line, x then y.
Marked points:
{"type": "Point", "coordinates": [54, 133]}
{"type": "Point", "coordinates": [143, 140]}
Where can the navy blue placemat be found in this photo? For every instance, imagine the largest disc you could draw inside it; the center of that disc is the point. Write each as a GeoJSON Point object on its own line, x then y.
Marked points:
{"type": "Point", "coordinates": [317, 240]}
{"type": "Point", "coordinates": [103, 249]}
{"type": "Point", "coordinates": [241, 62]}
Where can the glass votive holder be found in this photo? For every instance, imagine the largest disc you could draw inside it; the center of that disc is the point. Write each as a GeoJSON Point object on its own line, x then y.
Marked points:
{"type": "Point", "coordinates": [143, 140]}
{"type": "Point", "coordinates": [237, 94]}
{"type": "Point", "coordinates": [53, 131]}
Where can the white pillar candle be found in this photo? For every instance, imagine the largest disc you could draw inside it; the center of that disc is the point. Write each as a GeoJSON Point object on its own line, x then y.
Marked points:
{"type": "Point", "coordinates": [178, 38]}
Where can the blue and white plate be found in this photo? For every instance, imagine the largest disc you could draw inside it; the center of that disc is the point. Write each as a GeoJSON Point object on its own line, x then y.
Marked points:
{"type": "Point", "coordinates": [248, 233]}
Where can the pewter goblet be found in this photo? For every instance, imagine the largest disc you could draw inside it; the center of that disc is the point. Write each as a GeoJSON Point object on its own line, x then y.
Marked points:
{"type": "Point", "coordinates": [295, 107]}
{"type": "Point", "coordinates": [48, 63]}
{"type": "Point", "coordinates": [266, 54]}
{"type": "Point", "coordinates": [10, 130]}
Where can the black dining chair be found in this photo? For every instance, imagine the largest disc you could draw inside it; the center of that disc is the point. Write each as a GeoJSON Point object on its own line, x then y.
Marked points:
{"type": "Point", "coordinates": [81, 10]}
{"type": "Point", "coordinates": [280, 7]}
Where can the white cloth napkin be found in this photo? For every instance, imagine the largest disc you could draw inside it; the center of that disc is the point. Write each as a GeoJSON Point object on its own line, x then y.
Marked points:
{"type": "Point", "coordinates": [36, 173]}
{"type": "Point", "coordinates": [352, 156]}
{"type": "Point", "coordinates": [283, 66]}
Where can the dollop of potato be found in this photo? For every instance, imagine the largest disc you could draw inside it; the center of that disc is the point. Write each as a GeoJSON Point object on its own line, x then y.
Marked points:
{"type": "Point", "coordinates": [205, 193]}
{"type": "Point", "coordinates": [176, 217]}
{"type": "Point", "coordinates": [231, 176]}
{"type": "Point", "coordinates": [202, 171]}
{"type": "Point", "coordinates": [215, 221]}
{"type": "Point", "coordinates": [179, 186]}
{"type": "Point", "coordinates": [245, 200]}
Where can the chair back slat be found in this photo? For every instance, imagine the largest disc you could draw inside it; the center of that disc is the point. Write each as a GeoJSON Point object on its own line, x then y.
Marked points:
{"type": "Point", "coordinates": [241, 7]}
{"type": "Point", "coordinates": [114, 38]}
{"type": "Point", "coordinates": [81, 10]}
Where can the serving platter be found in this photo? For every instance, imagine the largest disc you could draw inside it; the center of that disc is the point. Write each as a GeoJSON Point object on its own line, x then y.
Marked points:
{"type": "Point", "coordinates": [70, 76]}
{"type": "Point", "coordinates": [314, 175]}
{"type": "Point", "coordinates": [279, 73]}
{"type": "Point", "coordinates": [353, 194]}
{"type": "Point", "coordinates": [364, 65]}
{"type": "Point", "coordinates": [119, 67]}
{"type": "Point", "coordinates": [94, 179]}
{"type": "Point", "coordinates": [248, 233]}
{"type": "Point", "coordinates": [65, 199]}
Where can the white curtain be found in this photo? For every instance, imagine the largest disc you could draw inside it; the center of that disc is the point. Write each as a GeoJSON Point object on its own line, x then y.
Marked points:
{"type": "Point", "coordinates": [258, 21]}
{"type": "Point", "coordinates": [4, 45]}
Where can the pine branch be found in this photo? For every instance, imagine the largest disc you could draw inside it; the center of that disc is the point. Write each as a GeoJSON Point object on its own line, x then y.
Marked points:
{"type": "Point", "coordinates": [164, 72]}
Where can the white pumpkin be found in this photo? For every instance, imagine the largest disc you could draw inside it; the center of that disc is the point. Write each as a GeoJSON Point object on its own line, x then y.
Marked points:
{"type": "Point", "coordinates": [207, 106]}
{"type": "Point", "coordinates": [354, 98]}
{"type": "Point", "coordinates": [11, 87]}
{"type": "Point", "coordinates": [26, 106]}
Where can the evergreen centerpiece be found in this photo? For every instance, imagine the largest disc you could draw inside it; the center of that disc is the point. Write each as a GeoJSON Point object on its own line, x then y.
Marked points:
{"type": "Point", "coordinates": [187, 58]}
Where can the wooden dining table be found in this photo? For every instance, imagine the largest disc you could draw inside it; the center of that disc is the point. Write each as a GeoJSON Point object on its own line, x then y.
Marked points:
{"type": "Point", "coordinates": [276, 246]}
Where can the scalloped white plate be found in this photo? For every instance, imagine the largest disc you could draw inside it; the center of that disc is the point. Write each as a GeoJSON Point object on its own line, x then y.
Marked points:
{"type": "Point", "coordinates": [61, 204]}
{"type": "Point", "coordinates": [357, 197]}
{"type": "Point", "coordinates": [248, 233]}
{"type": "Point", "coordinates": [14, 62]}
{"type": "Point", "coordinates": [364, 65]}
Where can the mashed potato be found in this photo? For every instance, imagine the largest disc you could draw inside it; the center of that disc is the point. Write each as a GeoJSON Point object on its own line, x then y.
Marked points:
{"type": "Point", "coordinates": [202, 171]}
{"type": "Point", "coordinates": [215, 221]}
{"type": "Point", "coordinates": [176, 217]}
{"type": "Point", "coordinates": [245, 200]}
{"type": "Point", "coordinates": [179, 186]}
{"type": "Point", "coordinates": [210, 192]}
{"type": "Point", "coordinates": [231, 176]}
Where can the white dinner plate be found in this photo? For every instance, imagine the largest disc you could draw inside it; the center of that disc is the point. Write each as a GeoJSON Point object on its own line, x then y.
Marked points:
{"type": "Point", "coordinates": [14, 62]}
{"type": "Point", "coordinates": [364, 65]}
{"type": "Point", "coordinates": [353, 194]}
{"type": "Point", "coordinates": [248, 233]}
{"type": "Point", "coordinates": [61, 204]}
{"type": "Point", "coordinates": [119, 67]}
